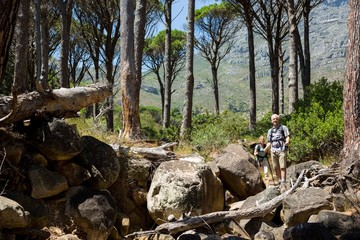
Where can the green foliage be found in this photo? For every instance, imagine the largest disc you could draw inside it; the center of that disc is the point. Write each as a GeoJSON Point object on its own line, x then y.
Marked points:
{"type": "Point", "coordinates": [212, 132]}
{"type": "Point", "coordinates": [150, 118]}
{"type": "Point", "coordinates": [221, 10]}
{"type": "Point", "coordinates": [157, 43]}
{"type": "Point", "coordinates": [316, 125]}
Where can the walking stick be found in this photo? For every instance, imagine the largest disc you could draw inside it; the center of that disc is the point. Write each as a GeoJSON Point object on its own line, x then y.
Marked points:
{"type": "Point", "coordinates": [272, 176]}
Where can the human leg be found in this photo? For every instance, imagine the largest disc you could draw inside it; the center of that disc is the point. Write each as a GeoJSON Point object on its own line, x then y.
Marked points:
{"type": "Point", "coordinates": [276, 165]}
{"type": "Point", "coordinates": [282, 165]}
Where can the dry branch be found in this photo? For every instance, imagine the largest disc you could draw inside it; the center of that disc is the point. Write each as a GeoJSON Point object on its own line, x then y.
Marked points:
{"type": "Point", "coordinates": [58, 103]}
{"type": "Point", "coordinates": [160, 152]}
{"type": "Point", "coordinates": [215, 217]}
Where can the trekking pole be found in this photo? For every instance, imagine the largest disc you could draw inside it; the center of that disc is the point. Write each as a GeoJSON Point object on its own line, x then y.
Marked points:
{"type": "Point", "coordinates": [272, 176]}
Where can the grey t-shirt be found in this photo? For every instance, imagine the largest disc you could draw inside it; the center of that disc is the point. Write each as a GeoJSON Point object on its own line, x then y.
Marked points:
{"type": "Point", "coordinates": [277, 137]}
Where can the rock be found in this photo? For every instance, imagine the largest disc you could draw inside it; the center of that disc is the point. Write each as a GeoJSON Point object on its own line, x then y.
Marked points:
{"type": "Point", "coordinates": [37, 208]}
{"type": "Point", "coordinates": [46, 183]}
{"type": "Point", "coordinates": [264, 235]}
{"type": "Point", "coordinates": [260, 198]}
{"type": "Point", "coordinates": [100, 160]}
{"type": "Point", "coordinates": [338, 223]}
{"type": "Point", "coordinates": [12, 214]}
{"type": "Point", "coordinates": [92, 209]}
{"type": "Point", "coordinates": [308, 231]}
{"type": "Point", "coordinates": [57, 140]}
{"type": "Point", "coordinates": [181, 187]}
{"type": "Point", "coordinates": [294, 170]}
{"type": "Point", "coordinates": [75, 175]}
{"type": "Point", "coordinates": [139, 171]}
{"type": "Point", "coordinates": [298, 207]}
{"type": "Point", "coordinates": [68, 237]}
{"type": "Point", "coordinates": [238, 174]}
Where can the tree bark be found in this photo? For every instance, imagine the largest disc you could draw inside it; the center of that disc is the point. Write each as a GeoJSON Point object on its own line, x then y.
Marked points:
{"type": "Point", "coordinates": [293, 85]}
{"type": "Point", "coordinates": [59, 103]}
{"type": "Point", "coordinates": [351, 153]}
{"type": "Point", "coordinates": [168, 72]}
{"type": "Point", "coordinates": [130, 97]}
{"type": "Point", "coordinates": [21, 52]}
{"type": "Point", "coordinates": [252, 78]}
{"type": "Point", "coordinates": [185, 129]}
{"type": "Point", "coordinates": [8, 14]}
{"type": "Point", "coordinates": [66, 14]}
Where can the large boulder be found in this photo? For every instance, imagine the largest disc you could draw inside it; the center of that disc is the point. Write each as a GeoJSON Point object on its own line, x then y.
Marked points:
{"type": "Point", "coordinates": [12, 214]}
{"type": "Point", "coordinates": [260, 198]}
{"type": "Point", "coordinates": [93, 210]}
{"type": "Point", "coordinates": [57, 140]}
{"type": "Point", "coordinates": [238, 174]}
{"type": "Point", "coordinates": [337, 222]}
{"type": "Point", "coordinates": [46, 183]}
{"type": "Point", "coordinates": [36, 207]}
{"type": "Point", "coordinates": [100, 160]}
{"type": "Point", "coordinates": [298, 207]}
{"type": "Point", "coordinates": [182, 187]}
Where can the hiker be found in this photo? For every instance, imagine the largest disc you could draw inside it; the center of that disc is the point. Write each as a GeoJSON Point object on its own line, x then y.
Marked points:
{"type": "Point", "coordinates": [278, 139]}
{"type": "Point", "coordinates": [261, 156]}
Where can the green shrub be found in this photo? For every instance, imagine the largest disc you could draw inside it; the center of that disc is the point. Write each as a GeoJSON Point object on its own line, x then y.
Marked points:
{"type": "Point", "coordinates": [212, 132]}
{"type": "Point", "coordinates": [316, 125]}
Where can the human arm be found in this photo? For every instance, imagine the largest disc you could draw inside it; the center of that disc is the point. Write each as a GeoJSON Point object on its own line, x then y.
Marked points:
{"type": "Point", "coordinates": [287, 141]}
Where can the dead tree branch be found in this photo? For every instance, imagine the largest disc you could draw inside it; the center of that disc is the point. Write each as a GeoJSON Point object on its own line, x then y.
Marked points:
{"type": "Point", "coordinates": [215, 217]}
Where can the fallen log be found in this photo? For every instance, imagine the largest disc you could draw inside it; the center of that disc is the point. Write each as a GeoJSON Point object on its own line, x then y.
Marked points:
{"type": "Point", "coordinates": [160, 153]}
{"type": "Point", "coordinates": [216, 217]}
{"type": "Point", "coordinates": [58, 103]}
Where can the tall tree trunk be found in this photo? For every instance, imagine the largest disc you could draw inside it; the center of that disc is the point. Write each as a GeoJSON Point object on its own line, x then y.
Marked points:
{"type": "Point", "coordinates": [351, 153]}
{"type": "Point", "coordinates": [8, 14]}
{"type": "Point", "coordinates": [274, 65]}
{"type": "Point", "coordinates": [38, 47]}
{"type": "Point", "coordinates": [307, 55]}
{"type": "Point", "coordinates": [281, 74]}
{"type": "Point", "coordinates": [215, 87]}
{"type": "Point", "coordinates": [22, 47]}
{"type": "Point", "coordinates": [45, 43]}
{"type": "Point", "coordinates": [252, 79]}
{"type": "Point", "coordinates": [168, 69]}
{"type": "Point", "coordinates": [139, 32]}
{"type": "Point", "coordinates": [130, 98]}
{"type": "Point", "coordinates": [185, 129]}
{"type": "Point", "coordinates": [293, 92]}
{"type": "Point", "coordinates": [66, 15]}
{"type": "Point", "coordinates": [301, 60]}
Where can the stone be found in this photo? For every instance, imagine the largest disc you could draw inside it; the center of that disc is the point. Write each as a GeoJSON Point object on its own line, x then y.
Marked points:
{"type": "Point", "coordinates": [12, 214]}
{"type": "Point", "coordinates": [184, 188]}
{"type": "Point", "coordinates": [46, 183]}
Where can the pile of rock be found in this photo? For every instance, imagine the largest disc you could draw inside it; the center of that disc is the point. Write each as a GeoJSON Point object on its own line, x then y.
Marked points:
{"type": "Point", "coordinates": [57, 184]}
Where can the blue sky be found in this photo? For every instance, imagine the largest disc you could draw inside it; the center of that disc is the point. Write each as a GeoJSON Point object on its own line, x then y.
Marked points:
{"type": "Point", "coordinates": [179, 12]}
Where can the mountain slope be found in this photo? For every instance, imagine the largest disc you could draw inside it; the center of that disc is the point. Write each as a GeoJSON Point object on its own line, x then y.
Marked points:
{"type": "Point", "coordinates": [328, 39]}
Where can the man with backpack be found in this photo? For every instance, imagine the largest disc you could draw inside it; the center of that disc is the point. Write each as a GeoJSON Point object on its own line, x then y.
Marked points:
{"type": "Point", "coordinates": [278, 139]}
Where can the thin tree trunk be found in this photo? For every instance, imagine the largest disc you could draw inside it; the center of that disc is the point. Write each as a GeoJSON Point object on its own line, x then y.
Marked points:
{"type": "Point", "coordinates": [307, 55]}
{"type": "Point", "coordinates": [281, 74]}
{"type": "Point", "coordinates": [185, 129]}
{"type": "Point", "coordinates": [66, 14]}
{"type": "Point", "coordinates": [215, 89]}
{"type": "Point", "coordinates": [252, 79]}
{"type": "Point", "coordinates": [22, 47]}
{"type": "Point", "coordinates": [38, 47]}
{"type": "Point", "coordinates": [351, 153]}
{"type": "Point", "coordinates": [293, 96]}
{"type": "Point", "coordinates": [168, 72]}
{"type": "Point", "coordinates": [45, 43]}
{"type": "Point", "coordinates": [130, 98]}
{"type": "Point", "coordinates": [8, 15]}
